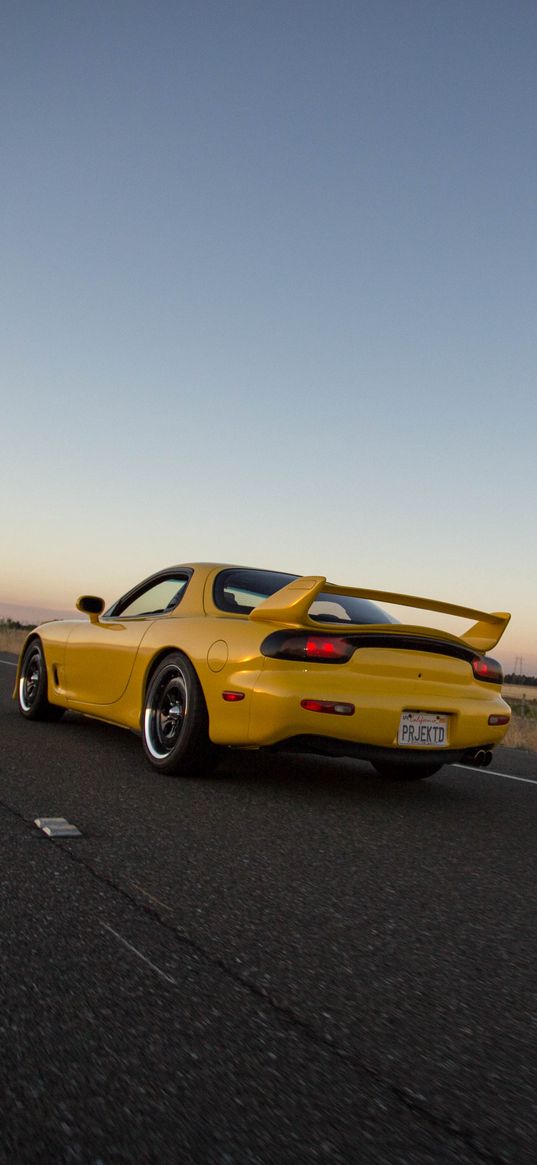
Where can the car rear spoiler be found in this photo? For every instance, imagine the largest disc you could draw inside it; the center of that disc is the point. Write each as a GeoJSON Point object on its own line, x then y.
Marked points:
{"type": "Point", "coordinates": [291, 605]}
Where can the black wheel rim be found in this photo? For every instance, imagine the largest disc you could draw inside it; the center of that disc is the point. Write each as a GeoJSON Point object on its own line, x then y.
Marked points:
{"type": "Point", "coordinates": [32, 670]}
{"type": "Point", "coordinates": [165, 712]}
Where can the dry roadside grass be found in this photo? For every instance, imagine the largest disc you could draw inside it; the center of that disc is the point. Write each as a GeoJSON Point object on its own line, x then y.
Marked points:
{"type": "Point", "coordinates": [520, 692]}
{"type": "Point", "coordinates": [522, 731]}
{"type": "Point", "coordinates": [11, 640]}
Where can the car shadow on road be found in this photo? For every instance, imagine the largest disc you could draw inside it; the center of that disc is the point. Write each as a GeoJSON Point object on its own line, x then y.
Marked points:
{"type": "Point", "coordinates": [309, 778]}
{"type": "Point", "coordinates": [333, 779]}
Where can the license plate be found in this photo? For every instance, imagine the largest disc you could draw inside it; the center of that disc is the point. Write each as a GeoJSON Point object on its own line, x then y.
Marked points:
{"type": "Point", "coordinates": [423, 730]}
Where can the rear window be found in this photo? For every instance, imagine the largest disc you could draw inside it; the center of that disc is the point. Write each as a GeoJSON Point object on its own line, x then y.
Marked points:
{"type": "Point", "coordinates": [239, 590]}
{"type": "Point", "coordinates": [347, 609]}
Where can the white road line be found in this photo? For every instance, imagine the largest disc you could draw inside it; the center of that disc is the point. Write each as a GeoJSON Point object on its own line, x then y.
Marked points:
{"type": "Point", "coordinates": [492, 773]}
{"type": "Point", "coordinates": [7, 663]}
{"type": "Point", "coordinates": [139, 954]}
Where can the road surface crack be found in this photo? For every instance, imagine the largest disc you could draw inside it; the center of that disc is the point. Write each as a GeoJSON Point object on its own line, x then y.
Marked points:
{"type": "Point", "coordinates": [413, 1102]}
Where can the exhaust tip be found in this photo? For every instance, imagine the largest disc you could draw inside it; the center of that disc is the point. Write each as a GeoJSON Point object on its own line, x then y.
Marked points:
{"type": "Point", "coordinates": [480, 757]}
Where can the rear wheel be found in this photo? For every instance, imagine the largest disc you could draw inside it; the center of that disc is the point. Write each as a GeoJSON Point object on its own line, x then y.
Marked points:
{"type": "Point", "coordinates": [175, 728]}
{"type": "Point", "coordinates": [33, 686]}
{"type": "Point", "coordinates": [405, 772]}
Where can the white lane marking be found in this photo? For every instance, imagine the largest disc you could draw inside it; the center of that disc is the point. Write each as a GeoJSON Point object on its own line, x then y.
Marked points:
{"type": "Point", "coordinates": [8, 663]}
{"type": "Point", "coordinates": [492, 773]}
{"type": "Point", "coordinates": [139, 954]}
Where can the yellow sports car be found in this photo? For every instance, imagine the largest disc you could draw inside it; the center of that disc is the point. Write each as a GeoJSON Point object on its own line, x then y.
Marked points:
{"type": "Point", "coordinates": [202, 656]}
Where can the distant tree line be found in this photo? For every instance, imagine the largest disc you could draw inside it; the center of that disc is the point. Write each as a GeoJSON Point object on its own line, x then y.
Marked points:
{"type": "Point", "coordinates": [527, 681]}
{"type": "Point", "coordinates": [14, 625]}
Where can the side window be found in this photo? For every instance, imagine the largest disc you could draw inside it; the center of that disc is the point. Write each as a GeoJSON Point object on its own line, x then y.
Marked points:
{"type": "Point", "coordinates": [240, 589]}
{"type": "Point", "coordinates": [154, 600]}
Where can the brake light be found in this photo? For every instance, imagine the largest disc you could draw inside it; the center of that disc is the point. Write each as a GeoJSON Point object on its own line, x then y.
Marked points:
{"type": "Point", "coordinates": [485, 668]}
{"type": "Point", "coordinates": [326, 647]}
{"type": "Point", "coordinates": [303, 646]}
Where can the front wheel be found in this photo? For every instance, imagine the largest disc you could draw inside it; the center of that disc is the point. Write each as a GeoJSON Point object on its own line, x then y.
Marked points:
{"type": "Point", "coordinates": [32, 690]}
{"type": "Point", "coordinates": [175, 726]}
{"type": "Point", "coordinates": [405, 772]}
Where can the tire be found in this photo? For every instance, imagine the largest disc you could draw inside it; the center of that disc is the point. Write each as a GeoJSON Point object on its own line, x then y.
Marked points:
{"type": "Point", "coordinates": [175, 723]}
{"type": "Point", "coordinates": [404, 772]}
{"type": "Point", "coordinates": [33, 686]}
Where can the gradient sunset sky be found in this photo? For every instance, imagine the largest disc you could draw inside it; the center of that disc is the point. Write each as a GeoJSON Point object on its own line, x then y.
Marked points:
{"type": "Point", "coordinates": [269, 290]}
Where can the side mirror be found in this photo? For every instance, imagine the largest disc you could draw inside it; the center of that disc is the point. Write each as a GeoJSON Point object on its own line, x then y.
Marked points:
{"type": "Point", "coordinates": [91, 605]}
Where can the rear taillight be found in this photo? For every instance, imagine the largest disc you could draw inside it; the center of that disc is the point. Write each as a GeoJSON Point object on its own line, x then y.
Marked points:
{"type": "Point", "coordinates": [306, 647]}
{"type": "Point", "coordinates": [485, 668]}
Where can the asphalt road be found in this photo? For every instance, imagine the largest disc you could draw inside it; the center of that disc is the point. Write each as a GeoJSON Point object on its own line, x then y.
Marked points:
{"type": "Point", "coordinates": [288, 961]}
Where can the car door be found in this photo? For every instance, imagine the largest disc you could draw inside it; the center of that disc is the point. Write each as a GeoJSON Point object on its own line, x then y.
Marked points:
{"type": "Point", "coordinates": [100, 655]}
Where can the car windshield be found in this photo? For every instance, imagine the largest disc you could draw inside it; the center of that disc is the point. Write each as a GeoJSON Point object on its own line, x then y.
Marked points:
{"type": "Point", "coordinates": [239, 590]}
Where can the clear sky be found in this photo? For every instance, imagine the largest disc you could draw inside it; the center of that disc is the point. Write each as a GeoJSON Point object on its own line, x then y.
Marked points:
{"type": "Point", "coordinates": [268, 295]}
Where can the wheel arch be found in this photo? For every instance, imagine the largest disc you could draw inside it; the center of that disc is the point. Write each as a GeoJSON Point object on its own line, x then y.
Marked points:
{"type": "Point", "coordinates": [152, 665]}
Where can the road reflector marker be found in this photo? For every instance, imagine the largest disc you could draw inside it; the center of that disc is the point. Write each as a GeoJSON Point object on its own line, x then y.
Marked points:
{"type": "Point", "coordinates": [57, 827]}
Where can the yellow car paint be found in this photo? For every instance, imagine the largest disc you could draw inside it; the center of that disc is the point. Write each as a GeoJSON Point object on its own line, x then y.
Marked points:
{"type": "Point", "coordinates": [101, 667]}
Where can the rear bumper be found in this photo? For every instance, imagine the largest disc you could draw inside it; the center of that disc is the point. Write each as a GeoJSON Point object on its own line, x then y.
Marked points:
{"type": "Point", "coordinates": [380, 698]}
{"type": "Point", "coordinates": [328, 746]}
